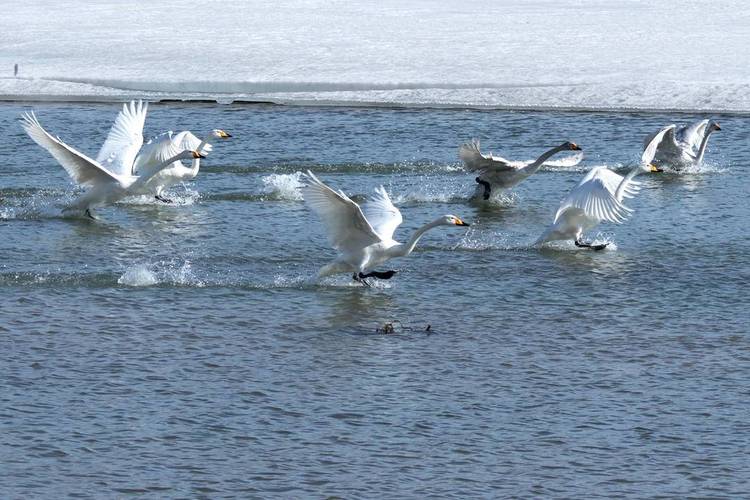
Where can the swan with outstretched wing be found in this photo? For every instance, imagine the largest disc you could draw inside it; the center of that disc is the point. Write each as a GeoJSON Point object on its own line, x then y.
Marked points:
{"type": "Point", "coordinates": [683, 147]}
{"type": "Point", "coordinates": [599, 198]}
{"type": "Point", "coordinates": [104, 186]}
{"type": "Point", "coordinates": [497, 172]}
{"type": "Point", "coordinates": [164, 146]}
{"type": "Point", "coordinates": [363, 235]}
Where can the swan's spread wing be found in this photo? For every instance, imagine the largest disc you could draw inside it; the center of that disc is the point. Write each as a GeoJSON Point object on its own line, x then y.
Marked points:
{"type": "Point", "coordinates": [595, 196]}
{"type": "Point", "coordinates": [124, 140]}
{"type": "Point", "coordinates": [348, 229]}
{"type": "Point", "coordinates": [382, 215]}
{"type": "Point", "coordinates": [662, 139]}
{"type": "Point", "coordinates": [477, 162]}
{"type": "Point", "coordinates": [692, 135]}
{"type": "Point", "coordinates": [165, 146]}
{"type": "Point", "coordinates": [668, 144]}
{"type": "Point", "coordinates": [80, 167]}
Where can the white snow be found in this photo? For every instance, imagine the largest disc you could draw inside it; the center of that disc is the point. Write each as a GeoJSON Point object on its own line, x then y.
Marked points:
{"type": "Point", "coordinates": [626, 54]}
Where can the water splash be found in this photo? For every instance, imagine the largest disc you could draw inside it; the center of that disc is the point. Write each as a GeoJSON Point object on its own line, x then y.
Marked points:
{"type": "Point", "coordinates": [283, 186]}
{"type": "Point", "coordinates": [138, 275]}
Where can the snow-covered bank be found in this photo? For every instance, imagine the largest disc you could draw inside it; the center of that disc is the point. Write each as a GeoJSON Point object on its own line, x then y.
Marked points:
{"type": "Point", "coordinates": [567, 54]}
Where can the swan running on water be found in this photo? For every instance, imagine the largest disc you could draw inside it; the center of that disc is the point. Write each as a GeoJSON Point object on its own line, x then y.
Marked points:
{"type": "Point", "coordinates": [362, 235]}
{"type": "Point", "coordinates": [598, 197]}
{"type": "Point", "coordinates": [683, 147]}
{"type": "Point", "coordinates": [497, 172]}
{"type": "Point", "coordinates": [107, 184]}
{"type": "Point", "coordinates": [164, 146]}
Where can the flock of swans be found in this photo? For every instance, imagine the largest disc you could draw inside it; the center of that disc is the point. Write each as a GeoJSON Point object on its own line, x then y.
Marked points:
{"type": "Point", "coordinates": [362, 235]}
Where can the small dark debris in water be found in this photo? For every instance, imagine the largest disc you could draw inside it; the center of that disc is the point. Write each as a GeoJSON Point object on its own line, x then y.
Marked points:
{"type": "Point", "coordinates": [392, 327]}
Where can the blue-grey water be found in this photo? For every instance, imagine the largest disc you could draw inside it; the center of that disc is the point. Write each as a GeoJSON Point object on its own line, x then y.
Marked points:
{"type": "Point", "coordinates": [184, 351]}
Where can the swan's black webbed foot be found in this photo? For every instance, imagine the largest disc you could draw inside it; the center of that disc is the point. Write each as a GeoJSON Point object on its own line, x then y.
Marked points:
{"type": "Point", "coordinates": [487, 188]}
{"type": "Point", "coordinates": [89, 214]}
{"type": "Point", "coordinates": [163, 199]}
{"type": "Point", "coordinates": [592, 247]}
{"type": "Point", "coordinates": [379, 275]}
{"type": "Point", "coordinates": [360, 279]}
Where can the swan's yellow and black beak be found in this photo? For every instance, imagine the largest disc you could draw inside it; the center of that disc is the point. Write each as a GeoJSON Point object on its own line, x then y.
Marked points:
{"type": "Point", "coordinates": [574, 147]}
{"type": "Point", "coordinates": [224, 135]}
{"type": "Point", "coordinates": [459, 222]}
{"type": "Point", "coordinates": [196, 154]}
{"type": "Point", "coordinates": [654, 168]}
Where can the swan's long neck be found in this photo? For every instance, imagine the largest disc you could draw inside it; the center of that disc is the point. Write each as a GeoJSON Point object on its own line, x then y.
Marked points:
{"type": "Point", "coordinates": [702, 149]}
{"type": "Point", "coordinates": [402, 250]}
{"type": "Point", "coordinates": [625, 181]}
{"type": "Point", "coordinates": [196, 164]}
{"type": "Point", "coordinates": [143, 179]}
{"type": "Point", "coordinates": [534, 166]}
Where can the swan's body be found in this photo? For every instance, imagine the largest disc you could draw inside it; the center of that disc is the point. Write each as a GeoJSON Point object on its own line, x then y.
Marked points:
{"type": "Point", "coordinates": [497, 172]}
{"type": "Point", "coordinates": [105, 186]}
{"type": "Point", "coordinates": [362, 235]}
{"type": "Point", "coordinates": [683, 147]}
{"type": "Point", "coordinates": [598, 198]}
{"type": "Point", "coordinates": [164, 146]}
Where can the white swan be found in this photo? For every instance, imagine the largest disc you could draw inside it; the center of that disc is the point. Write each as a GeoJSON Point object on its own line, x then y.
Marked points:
{"type": "Point", "coordinates": [363, 236]}
{"type": "Point", "coordinates": [683, 146]}
{"type": "Point", "coordinates": [164, 146]}
{"type": "Point", "coordinates": [598, 197]}
{"type": "Point", "coordinates": [105, 186]}
{"type": "Point", "coordinates": [497, 172]}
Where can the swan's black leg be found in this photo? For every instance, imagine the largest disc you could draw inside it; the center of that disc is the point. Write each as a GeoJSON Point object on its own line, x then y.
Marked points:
{"type": "Point", "coordinates": [487, 188]}
{"type": "Point", "coordinates": [581, 244]}
{"type": "Point", "coordinates": [89, 214]}
{"type": "Point", "coordinates": [379, 275]}
{"type": "Point", "coordinates": [163, 199]}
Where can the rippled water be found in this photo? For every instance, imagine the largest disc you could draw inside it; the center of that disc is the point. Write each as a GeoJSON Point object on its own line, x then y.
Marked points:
{"type": "Point", "coordinates": [184, 350]}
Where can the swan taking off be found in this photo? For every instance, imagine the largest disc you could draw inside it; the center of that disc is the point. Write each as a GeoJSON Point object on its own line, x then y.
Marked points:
{"type": "Point", "coordinates": [683, 147]}
{"type": "Point", "coordinates": [497, 172]}
{"type": "Point", "coordinates": [164, 146]}
{"type": "Point", "coordinates": [110, 183]}
{"type": "Point", "coordinates": [598, 197]}
{"type": "Point", "coordinates": [362, 235]}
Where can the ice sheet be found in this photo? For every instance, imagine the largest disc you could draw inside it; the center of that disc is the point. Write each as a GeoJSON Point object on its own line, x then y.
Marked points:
{"type": "Point", "coordinates": [508, 53]}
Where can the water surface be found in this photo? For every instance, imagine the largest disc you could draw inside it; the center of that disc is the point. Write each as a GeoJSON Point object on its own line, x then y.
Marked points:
{"type": "Point", "coordinates": [183, 350]}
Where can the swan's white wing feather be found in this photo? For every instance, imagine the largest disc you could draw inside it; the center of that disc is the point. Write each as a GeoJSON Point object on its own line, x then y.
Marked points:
{"type": "Point", "coordinates": [124, 140]}
{"type": "Point", "coordinates": [348, 229]}
{"type": "Point", "coordinates": [692, 135]}
{"type": "Point", "coordinates": [80, 167]}
{"type": "Point", "coordinates": [165, 146]}
{"type": "Point", "coordinates": [595, 196]}
{"type": "Point", "coordinates": [661, 139]}
{"type": "Point", "coordinates": [477, 162]}
{"type": "Point", "coordinates": [382, 214]}
{"type": "Point", "coordinates": [667, 145]}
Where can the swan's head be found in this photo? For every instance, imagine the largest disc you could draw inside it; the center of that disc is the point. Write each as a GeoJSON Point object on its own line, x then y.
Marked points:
{"type": "Point", "coordinates": [713, 126]}
{"type": "Point", "coordinates": [452, 220]}
{"type": "Point", "coordinates": [220, 134]}
{"type": "Point", "coordinates": [571, 146]}
{"type": "Point", "coordinates": [650, 167]}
